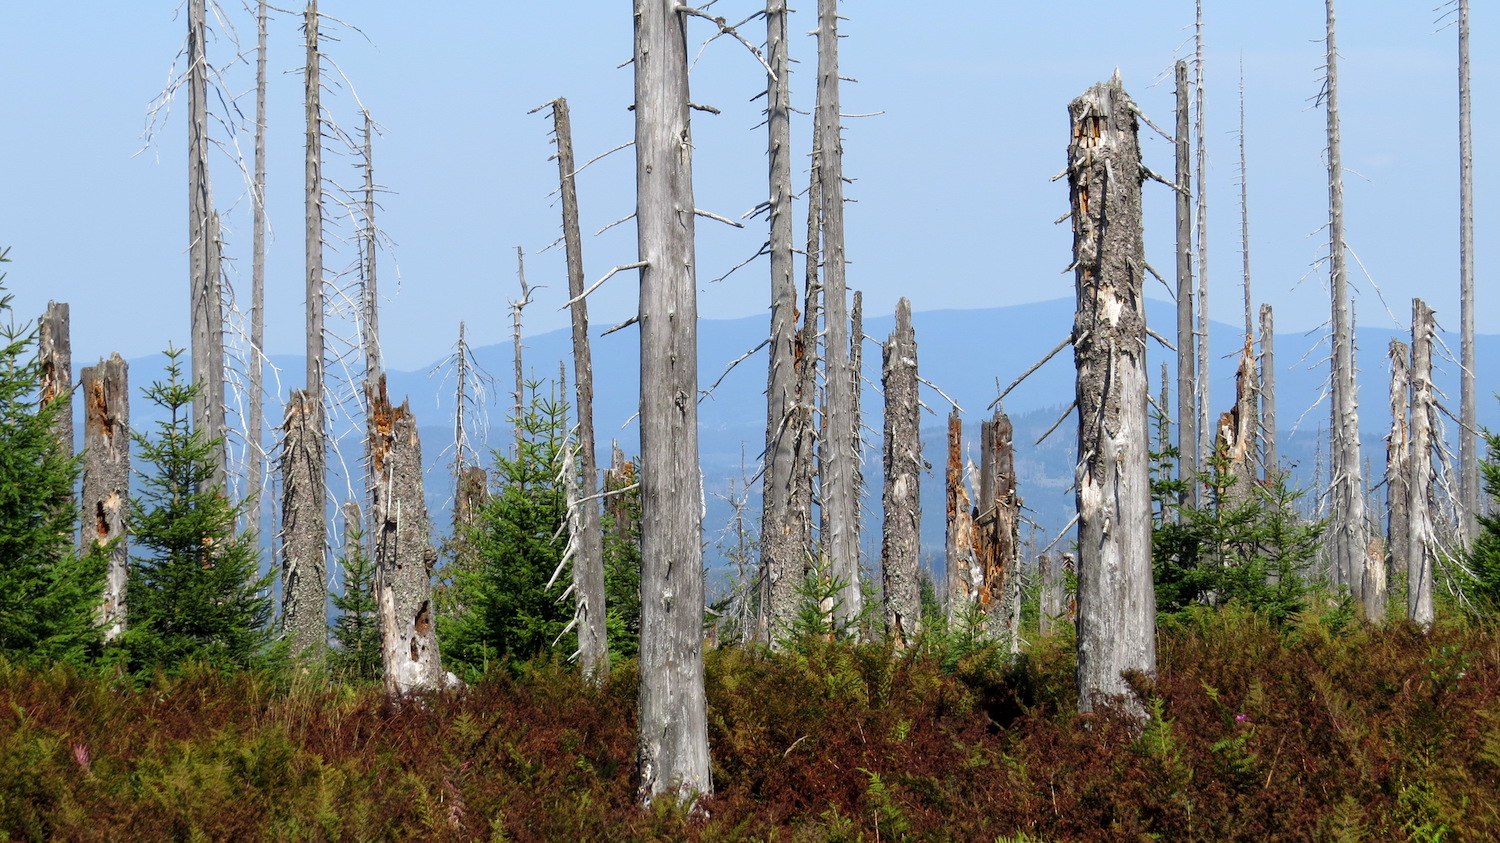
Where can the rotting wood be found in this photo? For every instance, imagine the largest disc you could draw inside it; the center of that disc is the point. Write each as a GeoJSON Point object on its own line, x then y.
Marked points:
{"type": "Point", "coordinates": [900, 551]}
{"type": "Point", "coordinates": [55, 354]}
{"type": "Point", "coordinates": [304, 564]}
{"type": "Point", "coordinates": [1422, 544]}
{"type": "Point", "coordinates": [404, 556]}
{"type": "Point", "coordinates": [1398, 456]}
{"type": "Point", "coordinates": [958, 544]}
{"type": "Point", "coordinates": [996, 533]}
{"type": "Point", "coordinates": [106, 481]}
{"type": "Point", "coordinates": [1116, 600]}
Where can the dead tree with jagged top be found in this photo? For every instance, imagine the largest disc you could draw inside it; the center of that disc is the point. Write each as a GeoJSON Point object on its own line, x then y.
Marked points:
{"type": "Point", "coordinates": [901, 503]}
{"type": "Point", "coordinates": [105, 391]}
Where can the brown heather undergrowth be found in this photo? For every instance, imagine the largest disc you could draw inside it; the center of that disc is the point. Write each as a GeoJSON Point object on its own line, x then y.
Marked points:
{"type": "Point", "coordinates": [1257, 733]}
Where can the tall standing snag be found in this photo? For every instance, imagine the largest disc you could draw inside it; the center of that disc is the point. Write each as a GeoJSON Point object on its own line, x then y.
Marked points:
{"type": "Point", "coordinates": [1398, 456]}
{"type": "Point", "coordinates": [673, 715]}
{"type": "Point", "coordinates": [304, 593]}
{"type": "Point", "coordinates": [205, 306]}
{"type": "Point", "coordinates": [901, 502]}
{"type": "Point", "coordinates": [1116, 603]}
{"type": "Point", "coordinates": [1421, 544]}
{"type": "Point", "coordinates": [55, 353]}
{"type": "Point", "coordinates": [106, 480]}
{"type": "Point", "coordinates": [1468, 431]}
{"type": "Point", "coordinates": [1187, 395]}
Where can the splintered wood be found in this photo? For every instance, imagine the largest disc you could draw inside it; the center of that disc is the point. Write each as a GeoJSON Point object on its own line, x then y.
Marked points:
{"type": "Point", "coordinates": [901, 501]}
{"type": "Point", "coordinates": [106, 480]}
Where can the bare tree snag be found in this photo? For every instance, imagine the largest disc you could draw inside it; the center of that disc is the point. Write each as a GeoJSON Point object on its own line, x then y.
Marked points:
{"type": "Point", "coordinates": [901, 502]}
{"type": "Point", "coordinates": [312, 424]}
{"type": "Point", "coordinates": [959, 539]}
{"type": "Point", "coordinates": [1205, 432]}
{"type": "Point", "coordinates": [673, 718]}
{"type": "Point", "coordinates": [1398, 457]}
{"type": "Point", "coordinates": [1051, 602]}
{"type": "Point", "coordinates": [1468, 430]}
{"type": "Point", "coordinates": [517, 306]}
{"type": "Point", "coordinates": [588, 561]}
{"type": "Point", "coordinates": [1187, 395]}
{"type": "Point", "coordinates": [997, 533]}
{"type": "Point", "coordinates": [1422, 546]}
{"type": "Point", "coordinates": [620, 475]}
{"type": "Point", "coordinates": [205, 307]}
{"type": "Point", "coordinates": [106, 480]}
{"type": "Point", "coordinates": [370, 298]}
{"type": "Point", "coordinates": [1236, 434]}
{"type": "Point", "coordinates": [782, 550]}
{"type": "Point", "coordinates": [1116, 601]}
{"type": "Point", "coordinates": [1270, 457]}
{"type": "Point", "coordinates": [55, 354]}
{"type": "Point", "coordinates": [1349, 534]}
{"type": "Point", "coordinates": [1247, 393]}
{"type": "Point", "coordinates": [304, 566]}
{"type": "Point", "coordinates": [838, 452]}
{"type": "Point", "coordinates": [404, 556]}
{"type": "Point", "coordinates": [255, 425]}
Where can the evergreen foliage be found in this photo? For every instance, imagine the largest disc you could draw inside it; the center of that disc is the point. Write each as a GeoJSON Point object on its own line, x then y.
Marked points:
{"type": "Point", "coordinates": [504, 609]}
{"type": "Point", "coordinates": [48, 596]}
{"type": "Point", "coordinates": [357, 630]}
{"type": "Point", "coordinates": [1481, 579]}
{"type": "Point", "coordinates": [622, 573]}
{"type": "Point", "coordinates": [196, 591]}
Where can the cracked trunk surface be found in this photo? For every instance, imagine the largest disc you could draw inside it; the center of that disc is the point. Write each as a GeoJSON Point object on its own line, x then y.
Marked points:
{"type": "Point", "coordinates": [901, 501]}
{"type": "Point", "coordinates": [106, 480]}
{"type": "Point", "coordinates": [304, 565]}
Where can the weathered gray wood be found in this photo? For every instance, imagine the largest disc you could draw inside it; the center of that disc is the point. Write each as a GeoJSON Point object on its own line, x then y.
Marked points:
{"type": "Point", "coordinates": [673, 719]}
{"type": "Point", "coordinates": [1116, 601]}
{"type": "Point", "coordinates": [370, 294]}
{"type": "Point", "coordinates": [517, 308]}
{"type": "Point", "coordinates": [55, 354]}
{"type": "Point", "coordinates": [1468, 431]}
{"type": "Point", "coordinates": [255, 425]}
{"type": "Point", "coordinates": [205, 306]}
{"type": "Point", "coordinates": [1270, 456]}
{"type": "Point", "coordinates": [304, 560]}
{"type": "Point", "coordinates": [1187, 395]}
{"type": "Point", "coordinates": [1348, 533]}
{"type": "Point", "coordinates": [1247, 391]}
{"type": "Point", "coordinates": [106, 480]}
{"type": "Point", "coordinates": [313, 209]}
{"type": "Point", "coordinates": [900, 551]}
{"type": "Point", "coordinates": [1051, 601]}
{"type": "Point", "coordinates": [1398, 456]}
{"type": "Point", "coordinates": [1205, 428]}
{"type": "Point", "coordinates": [997, 533]}
{"type": "Point", "coordinates": [588, 562]}
{"type": "Point", "coordinates": [1235, 440]}
{"type": "Point", "coordinates": [838, 451]}
{"type": "Point", "coordinates": [1422, 545]}
{"type": "Point", "coordinates": [404, 556]}
{"type": "Point", "coordinates": [959, 540]}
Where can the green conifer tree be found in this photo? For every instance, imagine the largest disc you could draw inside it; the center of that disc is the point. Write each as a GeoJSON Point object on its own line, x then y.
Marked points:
{"type": "Point", "coordinates": [48, 596]}
{"type": "Point", "coordinates": [1480, 578]}
{"type": "Point", "coordinates": [196, 590]}
{"type": "Point", "coordinates": [357, 631]}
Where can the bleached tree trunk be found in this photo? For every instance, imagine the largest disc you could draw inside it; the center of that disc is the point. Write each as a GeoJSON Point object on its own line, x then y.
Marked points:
{"type": "Point", "coordinates": [55, 354]}
{"type": "Point", "coordinates": [1270, 456]}
{"type": "Point", "coordinates": [1236, 436]}
{"type": "Point", "coordinates": [404, 556]}
{"type": "Point", "coordinates": [959, 539]}
{"type": "Point", "coordinates": [997, 533]}
{"type": "Point", "coordinates": [1247, 392]}
{"type": "Point", "coordinates": [1116, 601]}
{"type": "Point", "coordinates": [1468, 448]}
{"type": "Point", "coordinates": [588, 561]}
{"type": "Point", "coordinates": [1187, 394]}
{"type": "Point", "coordinates": [1398, 456]}
{"type": "Point", "coordinates": [1050, 610]}
{"type": "Point", "coordinates": [673, 719]}
{"type": "Point", "coordinates": [1421, 547]}
{"type": "Point", "coordinates": [1349, 534]}
{"type": "Point", "coordinates": [255, 426]}
{"type": "Point", "coordinates": [106, 480]}
{"type": "Point", "coordinates": [370, 299]}
{"type": "Point", "coordinates": [838, 453]}
{"type": "Point", "coordinates": [304, 569]}
{"type": "Point", "coordinates": [1205, 430]}
{"type": "Point", "coordinates": [312, 423]}
{"type": "Point", "coordinates": [205, 307]}
{"type": "Point", "coordinates": [901, 501]}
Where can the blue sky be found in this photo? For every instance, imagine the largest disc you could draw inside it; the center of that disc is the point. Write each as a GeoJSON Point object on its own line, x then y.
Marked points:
{"type": "Point", "coordinates": [954, 204]}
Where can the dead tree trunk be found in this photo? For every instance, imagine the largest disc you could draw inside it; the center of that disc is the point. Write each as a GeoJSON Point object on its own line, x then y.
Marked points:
{"type": "Point", "coordinates": [1116, 602]}
{"type": "Point", "coordinates": [588, 561]}
{"type": "Point", "coordinates": [517, 307]}
{"type": "Point", "coordinates": [304, 568]}
{"type": "Point", "coordinates": [673, 749]}
{"type": "Point", "coordinates": [997, 533]}
{"type": "Point", "coordinates": [205, 307]}
{"type": "Point", "coordinates": [1349, 537]}
{"type": "Point", "coordinates": [1468, 431]}
{"type": "Point", "coordinates": [1247, 393]}
{"type": "Point", "coordinates": [1422, 544]}
{"type": "Point", "coordinates": [1236, 437]}
{"type": "Point", "coordinates": [1187, 395]}
{"type": "Point", "coordinates": [1051, 602]}
{"type": "Point", "coordinates": [1398, 457]}
{"type": "Point", "coordinates": [106, 480]}
{"type": "Point", "coordinates": [404, 556]}
{"type": "Point", "coordinates": [618, 477]}
{"type": "Point", "coordinates": [1205, 431]}
{"type": "Point", "coordinates": [1270, 457]}
{"type": "Point", "coordinates": [901, 502]}
{"type": "Point", "coordinates": [55, 354]}
{"type": "Point", "coordinates": [311, 519]}
{"type": "Point", "coordinates": [838, 453]}
{"type": "Point", "coordinates": [959, 541]}
{"type": "Point", "coordinates": [254, 427]}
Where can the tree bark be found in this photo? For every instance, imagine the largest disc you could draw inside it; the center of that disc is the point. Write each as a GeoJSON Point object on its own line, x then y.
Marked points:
{"type": "Point", "coordinates": [1468, 430]}
{"type": "Point", "coordinates": [1398, 457]}
{"type": "Point", "coordinates": [1187, 395]}
{"type": "Point", "coordinates": [312, 419]}
{"type": "Point", "coordinates": [404, 556]}
{"type": "Point", "coordinates": [106, 480]}
{"type": "Point", "coordinates": [901, 501]}
{"type": "Point", "coordinates": [997, 533]}
{"type": "Point", "coordinates": [588, 563]}
{"type": "Point", "coordinates": [1247, 392]}
{"type": "Point", "coordinates": [1116, 602]}
{"type": "Point", "coordinates": [1349, 535]}
{"type": "Point", "coordinates": [1236, 437]}
{"type": "Point", "coordinates": [1205, 431]}
{"type": "Point", "coordinates": [1422, 545]}
{"type": "Point", "coordinates": [304, 566]}
{"type": "Point", "coordinates": [255, 426]}
{"type": "Point", "coordinates": [673, 749]}
{"type": "Point", "coordinates": [55, 354]}
{"type": "Point", "coordinates": [205, 307]}
{"type": "Point", "coordinates": [1270, 457]}
{"type": "Point", "coordinates": [838, 453]}
{"type": "Point", "coordinates": [959, 540]}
